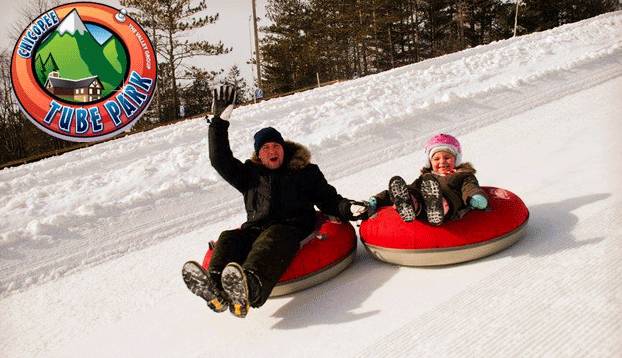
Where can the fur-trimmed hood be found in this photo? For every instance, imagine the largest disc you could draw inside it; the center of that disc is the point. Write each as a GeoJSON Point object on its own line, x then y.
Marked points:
{"type": "Point", "coordinates": [297, 156]}
{"type": "Point", "coordinates": [462, 168]}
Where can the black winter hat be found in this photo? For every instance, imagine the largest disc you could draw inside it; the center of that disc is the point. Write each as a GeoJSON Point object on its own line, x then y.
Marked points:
{"type": "Point", "coordinates": [266, 135]}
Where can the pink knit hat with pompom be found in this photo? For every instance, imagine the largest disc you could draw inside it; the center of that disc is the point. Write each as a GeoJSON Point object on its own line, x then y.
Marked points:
{"type": "Point", "coordinates": [443, 142]}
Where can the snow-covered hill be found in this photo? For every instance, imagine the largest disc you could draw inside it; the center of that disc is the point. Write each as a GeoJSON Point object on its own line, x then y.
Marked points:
{"type": "Point", "coordinates": [91, 243]}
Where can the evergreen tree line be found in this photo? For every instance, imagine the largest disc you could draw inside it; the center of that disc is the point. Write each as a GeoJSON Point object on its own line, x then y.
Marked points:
{"type": "Point", "coordinates": [337, 40]}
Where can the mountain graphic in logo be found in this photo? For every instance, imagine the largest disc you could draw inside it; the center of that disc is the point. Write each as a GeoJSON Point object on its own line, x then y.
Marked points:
{"type": "Point", "coordinates": [80, 63]}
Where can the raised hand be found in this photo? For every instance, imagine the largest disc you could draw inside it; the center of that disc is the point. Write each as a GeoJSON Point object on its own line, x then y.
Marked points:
{"type": "Point", "coordinates": [223, 102]}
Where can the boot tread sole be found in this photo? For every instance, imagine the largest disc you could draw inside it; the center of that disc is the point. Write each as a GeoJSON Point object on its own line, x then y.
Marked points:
{"type": "Point", "coordinates": [197, 282]}
{"type": "Point", "coordinates": [401, 198]}
{"type": "Point", "coordinates": [430, 190]}
{"type": "Point", "coordinates": [235, 285]}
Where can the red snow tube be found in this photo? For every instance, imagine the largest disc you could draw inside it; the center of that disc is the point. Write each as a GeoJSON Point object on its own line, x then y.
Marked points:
{"type": "Point", "coordinates": [323, 254]}
{"type": "Point", "coordinates": [477, 234]}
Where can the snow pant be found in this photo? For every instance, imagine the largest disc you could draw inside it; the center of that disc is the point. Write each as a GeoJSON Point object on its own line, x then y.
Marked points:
{"type": "Point", "coordinates": [265, 253]}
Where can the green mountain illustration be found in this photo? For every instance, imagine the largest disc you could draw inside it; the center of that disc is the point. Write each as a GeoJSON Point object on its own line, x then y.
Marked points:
{"type": "Point", "coordinates": [115, 54]}
{"type": "Point", "coordinates": [73, 52]}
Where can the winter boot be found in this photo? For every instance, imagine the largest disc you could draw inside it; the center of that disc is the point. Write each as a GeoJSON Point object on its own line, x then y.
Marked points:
{"type": "Point", "coordinates": [201, 284]}
{"type": "Point", "coordinates": [254, 288]}
{"type": "Point", "coordinates": [433, 200]}
{"type": "Point", "coordinates": [401, 198]}
{"type": "Point", "coordinates": [235, 284]}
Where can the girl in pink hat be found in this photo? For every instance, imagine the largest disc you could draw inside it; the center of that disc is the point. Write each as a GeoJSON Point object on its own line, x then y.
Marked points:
{"type": "Point", "coordinates": [446, 188]}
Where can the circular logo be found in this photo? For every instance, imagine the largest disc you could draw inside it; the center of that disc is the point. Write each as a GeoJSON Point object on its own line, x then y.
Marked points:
{"type": "Point", "coordinates": [83, 72]}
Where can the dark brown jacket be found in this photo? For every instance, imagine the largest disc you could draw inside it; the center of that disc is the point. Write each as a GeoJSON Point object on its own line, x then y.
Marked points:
{"type": "Point", "coordinates": [457, 189]}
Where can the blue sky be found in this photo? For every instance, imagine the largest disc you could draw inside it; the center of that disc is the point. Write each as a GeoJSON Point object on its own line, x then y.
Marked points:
{"type": "Point", "coordinates": [99, 33]}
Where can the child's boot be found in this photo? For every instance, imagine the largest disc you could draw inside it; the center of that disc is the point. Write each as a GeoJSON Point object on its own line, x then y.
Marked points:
{"type": "Point", "coordinates": [433, 200]}
{"type": "Point", "coordinates": [401, 198]}
{"type": "Point", "coordinates": [201, 284]}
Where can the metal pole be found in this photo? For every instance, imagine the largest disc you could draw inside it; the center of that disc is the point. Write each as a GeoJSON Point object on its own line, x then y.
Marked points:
{"type": "Point", "coordinates": [257, 57]}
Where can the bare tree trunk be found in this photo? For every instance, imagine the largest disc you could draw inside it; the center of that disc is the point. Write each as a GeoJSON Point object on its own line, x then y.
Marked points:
{"type": "Point", "coordinates": [461, 16]}
{"type": "Point", "coordinates": [362, 37]}
{"type": "Point", "coordinates": [391, 50]}
{"type": "Point", "coordinates": [173, 76]}
{"type": "Point", "coordinates": [157, 90]}
{"type": "Point", "coordinates": [373, 14]}
{"type": "Point", "coordinates": [414, 18]}
{"type": "Point", "coordinates": [516, 18]}
{"type": "Point", "coordinates": [11, 137]}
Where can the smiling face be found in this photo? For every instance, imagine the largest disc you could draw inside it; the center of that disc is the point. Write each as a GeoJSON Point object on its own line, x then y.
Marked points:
{"type": "Point", "coordinates": [271, 155]}
{"type": "Point", "coordinates": [443, 162]}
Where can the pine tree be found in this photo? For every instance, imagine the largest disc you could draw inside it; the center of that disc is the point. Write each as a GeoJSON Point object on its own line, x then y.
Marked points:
{"type": "Point", "coordinates": [197, 97]}
{"type": "Point", "coordinates": [170, 19]}
{"type": "Point", "coordinates": [336, 26]}
{"type": "Point", "coordinates": [544, 15]}
{"type": "Point", "coordinates": [437, 19]}
{"type": "Point", "coordinates": [234, 78]}
{"type": "Point", "coordinates": [146, 16]}
{"type": "Point", "coordinates": [288, 50]}
{"type": "Point", "coordinates": [39, 70]}
{"type": "Point", "coordinates": [49, 66]}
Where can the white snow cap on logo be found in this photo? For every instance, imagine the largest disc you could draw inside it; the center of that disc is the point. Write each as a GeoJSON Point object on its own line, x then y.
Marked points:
{"type": "Point", "coordinates": [72, 23]}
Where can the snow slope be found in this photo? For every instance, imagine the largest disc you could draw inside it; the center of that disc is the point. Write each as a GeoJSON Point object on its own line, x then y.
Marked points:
{"type": "Point", "coordinates": [91, 243]}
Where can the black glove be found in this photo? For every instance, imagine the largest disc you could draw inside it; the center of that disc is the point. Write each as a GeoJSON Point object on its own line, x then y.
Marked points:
{"type": "Point", "coordinates": [359, 210]}
{"type": "Point", "coordinates": [223, 102]}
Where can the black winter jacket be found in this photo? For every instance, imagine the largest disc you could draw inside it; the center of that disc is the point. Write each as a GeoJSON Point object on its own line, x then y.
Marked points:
{"type": "Point", "coordinates": [283, 196]}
